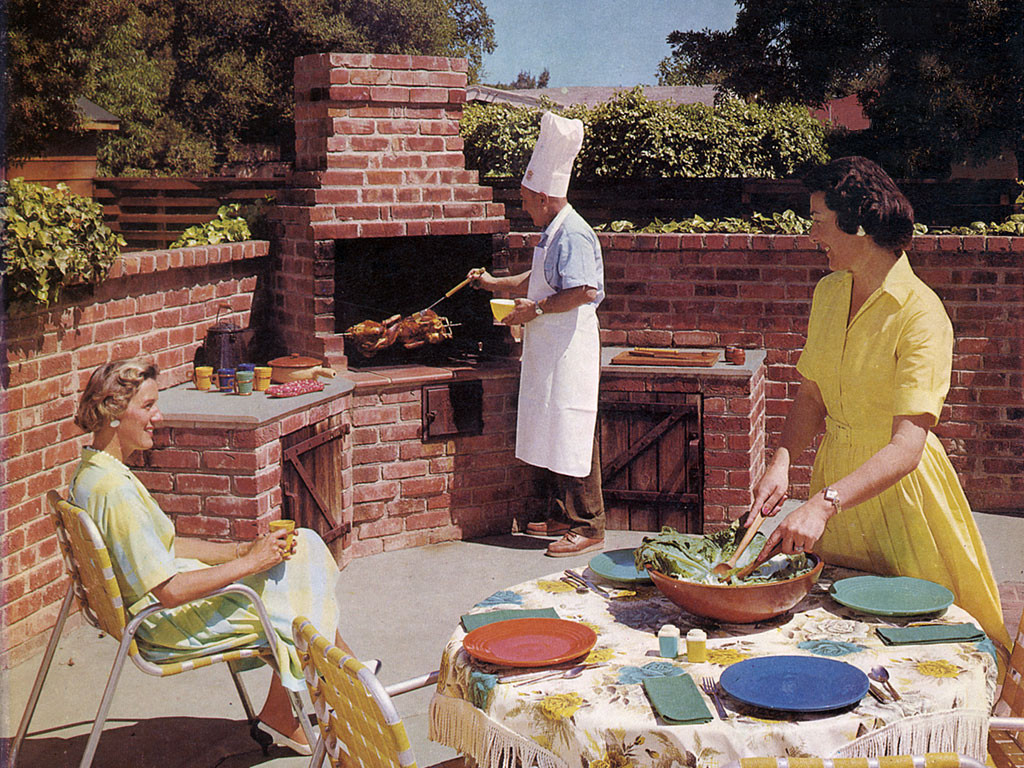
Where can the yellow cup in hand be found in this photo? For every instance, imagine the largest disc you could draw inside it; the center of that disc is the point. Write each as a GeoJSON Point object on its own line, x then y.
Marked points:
{"type": "Point", "coordinates": [288, 525]}
{"type": "Point", "coordinates": [501, 307]}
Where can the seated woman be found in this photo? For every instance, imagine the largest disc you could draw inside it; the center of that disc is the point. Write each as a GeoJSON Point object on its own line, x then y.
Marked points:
{"type": "Point", "coordinates": [119, 407]}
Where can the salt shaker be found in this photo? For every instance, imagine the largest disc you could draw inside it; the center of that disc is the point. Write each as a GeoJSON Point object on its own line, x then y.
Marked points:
{"type": "Point", "coordinates": [668, 641]}
{"type": "Point", "coordinates": [696, 646]}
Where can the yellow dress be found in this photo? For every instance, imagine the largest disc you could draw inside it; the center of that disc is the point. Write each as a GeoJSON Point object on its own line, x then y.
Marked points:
{"type": "Point", "coordinates": [894, 359]}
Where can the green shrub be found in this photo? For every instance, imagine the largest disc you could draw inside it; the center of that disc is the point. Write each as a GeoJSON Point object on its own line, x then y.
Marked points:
{"type": "Point", "coordinates": [633, 137]}
{"type": "Point", "coordinates": [786, 223]}
{"type": "Point", "coordinates": [234, 223]}
{"type": "Point", "coordinates": [52, 238]}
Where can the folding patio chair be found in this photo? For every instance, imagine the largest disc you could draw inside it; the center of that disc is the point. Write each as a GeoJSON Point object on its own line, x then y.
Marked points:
{"type": "Point", "coordinates": [94, 585]}
{"type": "Point", "coordinates": [359, 725]}
{"type": "Point", "coordinates": [1006, 728]}
{"type": "Point", "coordinates": [930, 760]}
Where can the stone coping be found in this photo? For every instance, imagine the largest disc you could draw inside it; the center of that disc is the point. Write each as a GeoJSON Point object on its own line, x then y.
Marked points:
{"type": "Point", "coordinates": [753, 361]}
{"type": "Point", "coordinates": [184, 406]}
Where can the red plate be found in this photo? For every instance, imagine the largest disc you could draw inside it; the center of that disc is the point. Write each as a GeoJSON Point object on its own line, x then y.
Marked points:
{"type": "Point", "coordinates": [529, 642]}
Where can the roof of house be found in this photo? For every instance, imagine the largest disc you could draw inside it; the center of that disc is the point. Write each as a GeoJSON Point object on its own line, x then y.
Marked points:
{"type": "Point", "coordinates": [95, 117]}
{"type": "Point", "coordinates": [590, 95]}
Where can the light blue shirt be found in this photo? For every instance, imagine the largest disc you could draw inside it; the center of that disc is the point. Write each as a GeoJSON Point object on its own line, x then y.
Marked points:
{"type": "Point", "coordinates": [573, 257]}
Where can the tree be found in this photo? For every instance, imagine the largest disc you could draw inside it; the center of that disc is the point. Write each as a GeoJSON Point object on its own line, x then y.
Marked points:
{"type": "Point", "coordinates": [526, 81]}
{"type": "Point", "coordinates": [193, 79]}
{"type": "Point", "coordinates": [941, 80]}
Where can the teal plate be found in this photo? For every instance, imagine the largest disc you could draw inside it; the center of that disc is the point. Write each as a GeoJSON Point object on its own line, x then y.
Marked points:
{"type": "Point", "coordinates": [891, 595]}
{"type": "Point", "coordinates": [617, 565]}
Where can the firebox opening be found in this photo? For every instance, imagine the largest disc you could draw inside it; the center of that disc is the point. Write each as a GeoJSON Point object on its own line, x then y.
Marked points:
{"type": "Point", "coordinates": [376, 278]}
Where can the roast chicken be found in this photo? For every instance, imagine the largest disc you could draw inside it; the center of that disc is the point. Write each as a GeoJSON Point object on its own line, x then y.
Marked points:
{"type": "Point", "coordinates": [419, 328]}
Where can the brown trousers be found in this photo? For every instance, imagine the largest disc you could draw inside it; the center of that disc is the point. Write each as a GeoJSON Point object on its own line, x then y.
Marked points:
{"type": "Point", "coordinates": [580, 500]}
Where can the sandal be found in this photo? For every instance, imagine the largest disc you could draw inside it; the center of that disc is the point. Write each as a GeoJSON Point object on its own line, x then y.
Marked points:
{"type": "Point", "coordinates": [284, 741]}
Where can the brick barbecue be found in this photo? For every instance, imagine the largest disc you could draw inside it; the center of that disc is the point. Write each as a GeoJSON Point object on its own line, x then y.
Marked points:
{"type": "Point", "coordinates": [378, 155]}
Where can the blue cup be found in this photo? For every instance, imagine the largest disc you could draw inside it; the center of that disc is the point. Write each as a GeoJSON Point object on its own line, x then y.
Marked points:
{"type": "Point", "coordinates": [226, 379]}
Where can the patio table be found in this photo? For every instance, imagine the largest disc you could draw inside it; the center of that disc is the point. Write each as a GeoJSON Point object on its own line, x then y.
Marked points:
{"type": "Point", "coordinates": [603, 718]}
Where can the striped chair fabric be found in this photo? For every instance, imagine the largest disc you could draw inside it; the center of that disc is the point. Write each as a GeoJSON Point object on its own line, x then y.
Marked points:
{"type": "Point", "coordinates": [359, 725]}
{"type": "Point", "coordinates": [1006, 731]}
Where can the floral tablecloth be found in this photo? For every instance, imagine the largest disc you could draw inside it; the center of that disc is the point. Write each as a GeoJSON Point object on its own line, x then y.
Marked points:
{"type": "Point", "coordinates": [603, 719]}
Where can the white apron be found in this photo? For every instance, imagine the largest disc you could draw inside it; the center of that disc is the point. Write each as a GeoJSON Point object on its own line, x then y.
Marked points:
{"type": "Point", "coordinates": [559, 379]}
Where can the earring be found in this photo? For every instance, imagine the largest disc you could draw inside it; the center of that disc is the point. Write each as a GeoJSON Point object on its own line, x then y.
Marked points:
{"type": "Point", "coordinates": [115, 423]}
{"type": "Point", "coordinates": [861, 232]}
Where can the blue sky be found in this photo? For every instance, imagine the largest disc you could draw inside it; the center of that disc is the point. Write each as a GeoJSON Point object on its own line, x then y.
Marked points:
{"type": "Point", "coordinates": [593, 42]}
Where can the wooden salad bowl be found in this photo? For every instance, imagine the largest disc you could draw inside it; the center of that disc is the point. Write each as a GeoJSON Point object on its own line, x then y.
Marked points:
{"type": "Point", "coordinates": [738, 603]}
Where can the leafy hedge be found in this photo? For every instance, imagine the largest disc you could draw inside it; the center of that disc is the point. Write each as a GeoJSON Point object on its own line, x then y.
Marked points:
{"type": "Point", "coordinates": [790, 223]}
{"type": "Point", "coordinates": [634, 137]}
{"type": "Point", "coordinates": [234, 223]}
{"type": "Point", "coordinates": [51, 239]}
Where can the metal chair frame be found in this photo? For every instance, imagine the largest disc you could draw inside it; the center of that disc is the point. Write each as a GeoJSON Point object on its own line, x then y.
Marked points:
{"type": "Point", "coordinates": [1006, 733]}
{"type": "Point", "coordinates": [103, 608]}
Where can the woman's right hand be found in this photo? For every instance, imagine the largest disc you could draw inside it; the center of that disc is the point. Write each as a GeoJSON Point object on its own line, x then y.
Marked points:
{"type": "Point", "coordinates": [267, 551]}
{"type": "Point", "coordinates": [771, 490]}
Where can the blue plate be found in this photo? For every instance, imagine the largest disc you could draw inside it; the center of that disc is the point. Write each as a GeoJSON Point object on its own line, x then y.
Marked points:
{"type": "Point", "coordinates": [795, 683]}
{"type": "Point", "coordinates": [617, 565]}
{"type": "Point", "coordinates": [891, 595]}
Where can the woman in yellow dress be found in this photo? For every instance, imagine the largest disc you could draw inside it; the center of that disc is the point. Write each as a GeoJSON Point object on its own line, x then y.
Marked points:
{"type": "Point", "coordinates": [119, 407]}
{"type": "Point", "coordinates": [874, 373]}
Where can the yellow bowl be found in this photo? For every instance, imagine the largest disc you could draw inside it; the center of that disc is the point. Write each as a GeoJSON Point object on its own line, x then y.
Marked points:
{"type": "Point", "coordinates": [501, 307]}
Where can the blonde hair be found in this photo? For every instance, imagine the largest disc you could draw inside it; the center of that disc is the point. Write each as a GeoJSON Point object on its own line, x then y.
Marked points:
{"type": "Point", "coordinates": [110, 389]}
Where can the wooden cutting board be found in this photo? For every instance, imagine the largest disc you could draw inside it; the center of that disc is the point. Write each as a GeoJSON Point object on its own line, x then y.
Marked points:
{"type": "Point", "coordinates": [685, 358]}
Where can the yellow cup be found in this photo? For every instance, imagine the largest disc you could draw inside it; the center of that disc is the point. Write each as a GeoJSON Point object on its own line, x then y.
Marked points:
{"type": "Point", "coordinates": [501, 307]}
{"type": "Point", "coordinates": [262, 383]}
{"type": "Point", "coordinates": [204, 376]}
{"type": "Point", "coordinates": [288, 525]}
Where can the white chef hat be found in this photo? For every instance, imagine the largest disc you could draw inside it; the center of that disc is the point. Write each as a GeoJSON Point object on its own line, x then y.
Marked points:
{"type": "Point", "coordinates": [551, 163]}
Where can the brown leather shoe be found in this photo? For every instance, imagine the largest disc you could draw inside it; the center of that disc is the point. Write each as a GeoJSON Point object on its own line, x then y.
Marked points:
{"type": "Point", "coordinates": [550, 527]}
{"type": "Point", "coordinates": [573, 544]}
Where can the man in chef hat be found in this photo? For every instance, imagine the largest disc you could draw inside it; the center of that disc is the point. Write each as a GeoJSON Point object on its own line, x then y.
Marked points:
{"type": "Point", "coordinates": [561, 361]}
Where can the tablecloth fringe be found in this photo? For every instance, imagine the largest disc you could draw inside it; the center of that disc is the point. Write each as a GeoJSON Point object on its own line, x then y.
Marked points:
{"type": "Point", "coordinates": [962, 730]}
{"type": "Point", "coordinates": [458, 724]}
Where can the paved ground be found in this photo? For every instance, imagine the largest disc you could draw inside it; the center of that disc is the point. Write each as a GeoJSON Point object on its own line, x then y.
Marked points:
{"type": "Point", "coordinates": [400, 606]}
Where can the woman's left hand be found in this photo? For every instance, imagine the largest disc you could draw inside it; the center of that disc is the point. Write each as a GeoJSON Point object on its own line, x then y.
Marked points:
{"type": "Point", "coordinates": [800, 530]}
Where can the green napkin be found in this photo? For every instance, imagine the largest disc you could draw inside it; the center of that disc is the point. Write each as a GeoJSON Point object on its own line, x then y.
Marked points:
{"type": "Point", "coordinates": [927, 634]}
{"type": "Point", "coordinates": [471, 621]}
{"type": "Point", "coordinates": [677, 700]}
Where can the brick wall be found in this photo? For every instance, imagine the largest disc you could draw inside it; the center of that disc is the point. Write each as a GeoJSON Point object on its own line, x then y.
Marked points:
{"type": "Point", "coordinates": [755, 290]}
{"type": "Point", "coordinates": [407, 492]}
{"type": "Point", "coordinates": [157, 303]}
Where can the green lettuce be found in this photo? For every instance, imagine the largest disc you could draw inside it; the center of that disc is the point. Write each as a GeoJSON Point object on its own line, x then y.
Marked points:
{"type": "Point", "coordinates": [691, 557]}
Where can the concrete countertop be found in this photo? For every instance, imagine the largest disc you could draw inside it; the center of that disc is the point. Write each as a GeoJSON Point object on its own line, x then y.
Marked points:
{"type": "Point", "coordinates": [754, 359]}
{"type": "Point", "coordinates": [185, 406]}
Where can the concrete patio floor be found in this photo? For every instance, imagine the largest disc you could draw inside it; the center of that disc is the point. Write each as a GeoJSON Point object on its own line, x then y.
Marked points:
{"type": "Point", "coordinates": [399, 606]}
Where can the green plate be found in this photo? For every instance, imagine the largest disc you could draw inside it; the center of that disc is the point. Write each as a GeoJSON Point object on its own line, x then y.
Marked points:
{"type": "Point", "coordinates": [617, 565]}
{"type": "Point", "coordinates": [891, 595]}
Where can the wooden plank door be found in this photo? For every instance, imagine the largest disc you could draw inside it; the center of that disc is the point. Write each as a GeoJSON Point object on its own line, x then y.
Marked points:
{"type": "Point", "coordinates": [652, 461]}
{"type": "Point", "coordinates": [313, 481]}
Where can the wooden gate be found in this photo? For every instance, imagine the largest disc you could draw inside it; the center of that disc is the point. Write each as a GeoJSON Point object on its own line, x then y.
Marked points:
{"type": "Point", "coordinates": [313, 482]}
{"type": "Point", "coordinates": [652, 465]}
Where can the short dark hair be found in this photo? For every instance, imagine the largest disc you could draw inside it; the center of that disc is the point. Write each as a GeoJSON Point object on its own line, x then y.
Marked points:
{"type": "Point", "coordinates": [863, 195]}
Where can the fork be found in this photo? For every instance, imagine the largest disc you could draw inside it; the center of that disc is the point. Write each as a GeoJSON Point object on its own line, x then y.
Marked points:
{"type": "Point", "coordinates": [710, 687]}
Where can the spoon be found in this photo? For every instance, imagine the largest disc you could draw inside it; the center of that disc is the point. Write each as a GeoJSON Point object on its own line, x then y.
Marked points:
{"type": "Point", "coordinates": [881, 675]}
{"type": "Point", "coordinates": [722, 569]}
{"type": "Point", "coordinates": [568, 674]}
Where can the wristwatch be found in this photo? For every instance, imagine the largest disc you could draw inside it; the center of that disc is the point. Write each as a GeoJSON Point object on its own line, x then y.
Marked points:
{"type": "Point", "coordinates": [537, 309]}
{"type": "Point", "coordinates": [831, 495]}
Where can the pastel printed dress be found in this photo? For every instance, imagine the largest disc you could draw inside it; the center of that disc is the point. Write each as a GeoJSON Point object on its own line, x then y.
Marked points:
{"type": "Point", "coordinates": [893, 359]}
{"type": "Point", "coordinates": [140, 538]}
